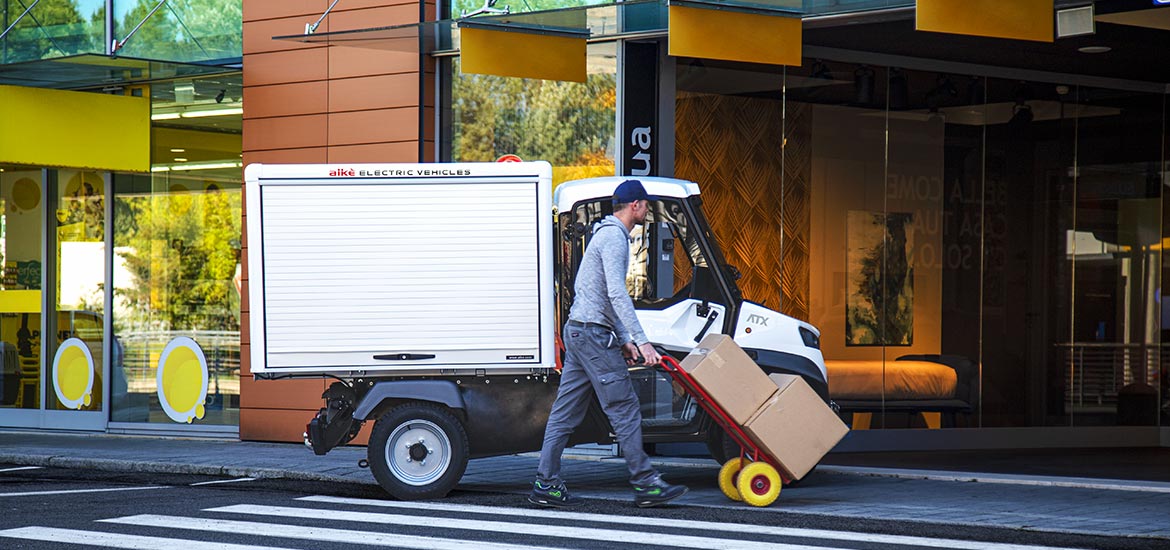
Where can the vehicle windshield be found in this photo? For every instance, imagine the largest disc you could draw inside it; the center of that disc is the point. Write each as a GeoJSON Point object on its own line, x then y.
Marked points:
{"type": "Point", "coordinates": [668, 263]}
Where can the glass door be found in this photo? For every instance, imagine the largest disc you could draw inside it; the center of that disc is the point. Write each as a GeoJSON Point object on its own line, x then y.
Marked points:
{"type": "Point", "coordinates": [74, 366]}
{"type": "Point", "coordinates": [22, 218]}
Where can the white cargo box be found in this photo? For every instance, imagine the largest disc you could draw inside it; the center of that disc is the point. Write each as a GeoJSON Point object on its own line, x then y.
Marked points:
{"type": "Point", "coordinates": [412, 269]}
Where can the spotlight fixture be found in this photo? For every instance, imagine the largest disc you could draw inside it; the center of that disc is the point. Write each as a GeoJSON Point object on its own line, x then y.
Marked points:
{"type": "Point", "coordinates": [944, 88]}
{"type": "Point", "coordinates": [863, 79]}
{"type": "Point", "coordinates": [1021, 113]}
{"type": "Point", "coordinates": [899, 90]}
{"type": "Point", "coordinates": [976, 92]}
{"type": "Point", "coordinates": [821, 70]}
{"type": "Point", "coordinates": [219, 96]}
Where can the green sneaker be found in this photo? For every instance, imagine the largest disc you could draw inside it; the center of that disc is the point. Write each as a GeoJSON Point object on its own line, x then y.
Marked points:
{"type": "Point", "coordinates": [657, 493]}
{"type": "Point", "coordinates": [553, 496]}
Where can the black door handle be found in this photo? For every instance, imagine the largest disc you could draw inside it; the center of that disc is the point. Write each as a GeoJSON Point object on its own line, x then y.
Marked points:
{"type": "Point", "coordinates": [404, 356]}
{"type": "Point", "coordinates": [710, 321]}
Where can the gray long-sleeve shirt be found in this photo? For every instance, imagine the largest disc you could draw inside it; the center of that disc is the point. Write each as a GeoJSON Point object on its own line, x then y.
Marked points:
{"type": "Point", "coordinates": [601, 283]}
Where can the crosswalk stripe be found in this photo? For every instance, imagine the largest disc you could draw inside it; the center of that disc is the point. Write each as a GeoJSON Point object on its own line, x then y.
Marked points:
{"type": "Point", "coordinates": [236, 480]}
{"type": "Point", "coordinates": [683, 524]}
{"type": "Point", "coordinates": [337, 536]}
{"type": "Point", "coordinates": [555, 531]}
{"type": "Point", "coordinates": [75, 491]}
{"type": "Point", "coordinates": [115, 540]}
{"type": "Point", "coordinates": [20, 468]}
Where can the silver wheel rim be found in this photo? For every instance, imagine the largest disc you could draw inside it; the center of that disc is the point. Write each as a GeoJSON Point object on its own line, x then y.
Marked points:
{"type": "Point", "coordinates": [418, 452]}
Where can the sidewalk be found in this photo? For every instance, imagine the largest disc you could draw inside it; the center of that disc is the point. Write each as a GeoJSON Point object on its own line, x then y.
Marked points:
{"type": "Point", "coordinates": [1092, 506]}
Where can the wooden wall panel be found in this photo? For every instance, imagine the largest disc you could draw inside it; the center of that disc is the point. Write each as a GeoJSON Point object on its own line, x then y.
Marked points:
{"type": "Point", "coordinates": [732, 147]}
{"type": "Point", "coordinates": [796, 211]}
{"type": "Point", "coordinates": [262, 69]}
{"type": "Point", "coordinates": [373, 92]}
{"type": "Point", "coordinates": [280, 100]}
{"type": "Point", "coordinates": [375, 126]}
{"type": "Point", "coordinates": [319, 104]}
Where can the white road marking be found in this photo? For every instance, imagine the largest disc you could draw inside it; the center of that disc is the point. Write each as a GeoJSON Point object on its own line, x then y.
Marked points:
{"type": "Point", "coordinates": [115, 540]}
{"type": "Point", "coordinates": [21, 468]}
{"type": "Point", "coordinates": [73, 491]}
{"type": "Point", "coordinates": [336, 536]}
{"type": "Point", "coordinates": [541, 530]}
{"type": "Point", "coordinates": [684, 524]}
{"type": "Point", "coordinates": [237, 480]}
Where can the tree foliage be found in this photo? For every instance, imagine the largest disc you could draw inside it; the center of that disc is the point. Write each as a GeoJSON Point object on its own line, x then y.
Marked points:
{"type": "Point", "coordinates": [565, 123]}
{"type": "Point", "coordinates": [181, 250]}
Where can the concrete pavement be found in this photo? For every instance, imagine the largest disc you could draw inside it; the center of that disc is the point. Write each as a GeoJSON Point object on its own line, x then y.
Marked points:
{"type": "Point", "coordinates": [1080, 505]}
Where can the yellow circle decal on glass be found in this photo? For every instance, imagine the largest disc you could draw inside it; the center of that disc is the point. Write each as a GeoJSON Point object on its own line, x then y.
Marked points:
{"type": "Point", "coordinates": [182, 380]}
{"type": "Point", "coordinates": [73, 373]}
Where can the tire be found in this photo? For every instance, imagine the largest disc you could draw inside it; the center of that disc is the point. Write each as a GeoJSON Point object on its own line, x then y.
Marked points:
{"type": "Point", "coordinates": [728, 475]}
{"type": "Point", "coordinates": [418, 451]}
{"type": "Point", "coordinates": [721, 446]}
{"type": "Point", "coordinates": [759, 484]}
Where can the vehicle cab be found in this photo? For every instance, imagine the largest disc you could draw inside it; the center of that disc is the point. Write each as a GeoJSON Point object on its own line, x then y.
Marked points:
{"type": "Point", "coordinates": [683, 289]}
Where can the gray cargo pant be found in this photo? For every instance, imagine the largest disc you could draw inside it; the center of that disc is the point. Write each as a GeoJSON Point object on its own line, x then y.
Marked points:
{"type": "Point", "coordinates": [594, 364]}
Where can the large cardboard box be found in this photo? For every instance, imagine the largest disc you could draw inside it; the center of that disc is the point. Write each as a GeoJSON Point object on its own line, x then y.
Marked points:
{"type": "Point", "coordinates": [732, 379]}
{"type": "Point", "coordinates": [795, 426]}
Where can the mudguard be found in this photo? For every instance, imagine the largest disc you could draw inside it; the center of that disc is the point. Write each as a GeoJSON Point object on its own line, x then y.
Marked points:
{"type": "Point", "coordinates": [445, 392]}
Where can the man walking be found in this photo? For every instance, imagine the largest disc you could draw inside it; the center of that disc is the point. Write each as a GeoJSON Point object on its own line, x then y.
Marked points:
{"type": "Point", "coordinates": [602, 337]}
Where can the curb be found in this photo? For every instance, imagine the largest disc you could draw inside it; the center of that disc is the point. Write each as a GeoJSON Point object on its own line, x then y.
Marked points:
{"type": "Point", "coordinates": [116, 465]}
{"type": "Point", "coordinates": [1004, 479]}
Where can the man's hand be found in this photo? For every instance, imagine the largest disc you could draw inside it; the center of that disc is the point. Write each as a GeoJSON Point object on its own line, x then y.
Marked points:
{"type": "Point", "coordinates": [649, 354]}
{"type": "Point", "coordinates": [630, 352]}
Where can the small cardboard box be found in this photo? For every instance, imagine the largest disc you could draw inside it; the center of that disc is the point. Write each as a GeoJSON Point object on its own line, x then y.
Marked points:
{"type": "Point", "coordinates": [795, 426]}
{"type": "Point", "coordinates": [732, 379]}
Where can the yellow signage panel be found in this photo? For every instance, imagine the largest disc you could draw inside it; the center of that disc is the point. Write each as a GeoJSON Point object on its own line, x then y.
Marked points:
{"type": "Point", "coordinates": [20, 301]}
{"type": "Point", "coordinates": [1017, 19]}
{"type": "Point", "coordinates": [522, 54]}
{"type": "Point", "coordinates": [734, 36]}
{"type": "Point", "coordinates": [57, 128]}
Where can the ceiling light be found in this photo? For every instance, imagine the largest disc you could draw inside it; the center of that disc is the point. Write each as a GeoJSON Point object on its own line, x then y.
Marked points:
{"type": "Point", "coordinates": [178, 150]}
{"type": "Point", "coordinates": [180, 159]}
{"type": "Point", "coordinates": [1094, 49]}
{"type": "Point", "coordinates": [164, 116]}
{"type": "Point", "coordinates": [214, 112]}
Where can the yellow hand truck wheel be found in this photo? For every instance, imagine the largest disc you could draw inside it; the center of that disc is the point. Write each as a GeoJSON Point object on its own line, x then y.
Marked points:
{"type": "Point", "coordinates": [727, 476]}
{"type": "Point", "coordinates": [759, 484]}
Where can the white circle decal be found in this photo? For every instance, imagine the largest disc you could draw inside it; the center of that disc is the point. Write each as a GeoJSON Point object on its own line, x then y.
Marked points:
{"type": "Point", "coordinates": [73, 374]}
{"type": "Point", "coordinates": [182, 380]}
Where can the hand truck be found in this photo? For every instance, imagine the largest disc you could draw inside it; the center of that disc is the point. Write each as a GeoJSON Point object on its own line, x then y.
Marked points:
{"type": "Point", "coordinates": [753, 477]}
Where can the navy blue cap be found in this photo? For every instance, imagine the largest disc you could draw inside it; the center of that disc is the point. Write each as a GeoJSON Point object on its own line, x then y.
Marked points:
{"type": "Point", "coordinates": [630, 191]}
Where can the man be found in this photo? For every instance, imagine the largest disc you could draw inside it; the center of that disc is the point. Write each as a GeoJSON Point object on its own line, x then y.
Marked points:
{"type": "Point", "coordinates": [602, 337]}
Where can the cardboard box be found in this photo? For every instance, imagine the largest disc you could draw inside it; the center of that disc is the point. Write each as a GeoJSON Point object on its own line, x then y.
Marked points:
{"type": "Point", "coordinates": [732, 379]}
{"type": "Point", "coordinates": [795, 426]}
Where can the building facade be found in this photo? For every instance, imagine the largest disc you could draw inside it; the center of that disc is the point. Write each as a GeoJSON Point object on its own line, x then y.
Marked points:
{"type": "Point", "coordinates": [980, 192]}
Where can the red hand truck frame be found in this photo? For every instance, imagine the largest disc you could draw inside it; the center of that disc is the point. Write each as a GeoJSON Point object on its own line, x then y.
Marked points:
{"type": "Point", "coordinates": [763, 482]}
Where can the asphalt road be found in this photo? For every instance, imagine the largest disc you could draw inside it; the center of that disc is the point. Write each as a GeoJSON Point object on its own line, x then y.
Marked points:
{"type": "Point", "coordinates": [49, 508]}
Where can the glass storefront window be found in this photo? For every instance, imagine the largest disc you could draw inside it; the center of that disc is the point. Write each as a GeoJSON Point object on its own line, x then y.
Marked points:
{"type": "Point", "coordinates": [22, 199]}
{"type": "Point", "coordinates": [571, 125]}
{"type": "Point", "coordinates": [177, 298]}
{"type": "Point", "coordinates": [977, 252]}
{"type": "Point", "coordinates": [52, 28]}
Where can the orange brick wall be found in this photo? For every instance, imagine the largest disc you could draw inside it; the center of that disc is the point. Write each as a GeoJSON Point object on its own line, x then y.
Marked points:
{"type": "Point", "coordinates": [319, 104]}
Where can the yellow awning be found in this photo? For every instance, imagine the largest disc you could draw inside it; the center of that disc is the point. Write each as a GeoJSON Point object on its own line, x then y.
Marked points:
{"type": "Point", "coordinates": [735, 35]}
{"type": "Point", "coordinates": [57, 128]}
{"type": "Point", "coordinates": [1018, 19]}
{"type": "Point", "coordinates": [523, 54]}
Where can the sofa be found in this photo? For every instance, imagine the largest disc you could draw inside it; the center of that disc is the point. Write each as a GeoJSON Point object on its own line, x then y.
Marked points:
{"type": "Point", "coordinates": [937, 386]}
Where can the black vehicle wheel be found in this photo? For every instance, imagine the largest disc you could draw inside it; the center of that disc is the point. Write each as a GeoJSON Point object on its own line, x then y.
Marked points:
{"type": "Point", "coordinates": [418, 451]}
{"type": "Point", "coordinates": [721, 446]}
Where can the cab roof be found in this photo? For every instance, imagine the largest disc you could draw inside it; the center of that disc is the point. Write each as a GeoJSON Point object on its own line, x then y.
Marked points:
{"type": "Point", "coordinates": [571, 192]}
